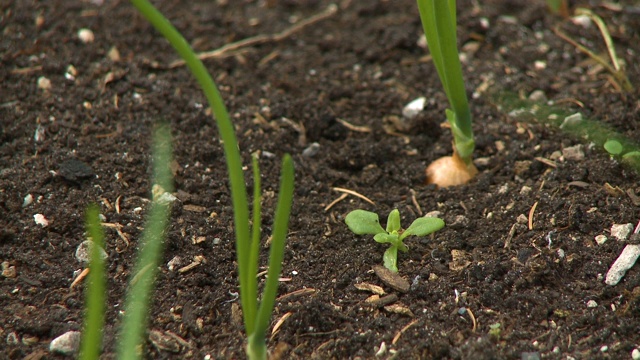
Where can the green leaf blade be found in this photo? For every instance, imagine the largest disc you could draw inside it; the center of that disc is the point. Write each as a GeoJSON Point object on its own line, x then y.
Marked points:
{"type": "Point", "coordinates": [362, 222]}
{"type": "Point", "coordinates": [423, 226]}
{"type": "Point", "coordinates": [393, 221]}
{"type": "Point", "coordinates": [390, 259]}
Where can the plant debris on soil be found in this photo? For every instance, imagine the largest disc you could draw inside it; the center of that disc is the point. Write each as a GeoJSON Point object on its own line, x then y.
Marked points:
{"type": "Point", "coordinates": [527, 243]}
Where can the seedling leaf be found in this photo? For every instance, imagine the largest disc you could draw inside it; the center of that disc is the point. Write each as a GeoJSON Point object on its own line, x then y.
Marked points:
{"type": "Point", "coordinates": [390, 258]}
{"type": "Point", "coordinates": [423, 226]}
{"type": "Point", "coordinates": [613, 147]}
{"type": "Point", "coordinates": [393, 221]}
{"type": "Point", "coordinates": [384, 238]}
{"type": "Point", "coordinates": [363, 222]}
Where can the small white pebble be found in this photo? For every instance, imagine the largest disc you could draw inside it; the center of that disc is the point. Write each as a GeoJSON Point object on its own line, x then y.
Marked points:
{"type": "Point", "coordinates": [635, 354]}
{"type": "Point", "coordinates": [414, 108]}
{"type": "Point", "coordinates": [28, 200]}
{"type": "Point", "coordinates": [525, 190]}
{"type": "Point", "coordinates": [67, 343]}
{"type": "Point", "coordinates": [592, 304]}
{"type": "Point", "coordinates": [44, 83]}
{"type": "Point", "coordinates": [601, 239]}
{"type": "Point", "coordinates": [624, 262]}
{"type": "Point", "coordinates": [540, 65]}
{"type": "Point", "coordinates": [582, 20]}
{"type": "Point", "coordinates": [621, 231]}
{"type": "Point", "coordinates": [571, 120]}
{"type": "Point", "coordinates": [41, 220]}
{"type": "Point", "coordinates": [86, 35]}
{"type": "Point", "coordinates": [604, 348]}
{"type": "Point", "coordinates": [573, 153]}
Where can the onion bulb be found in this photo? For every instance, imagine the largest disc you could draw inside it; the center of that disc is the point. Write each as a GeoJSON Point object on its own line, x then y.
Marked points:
{"type": "Point", "coordinates": [450, 171]}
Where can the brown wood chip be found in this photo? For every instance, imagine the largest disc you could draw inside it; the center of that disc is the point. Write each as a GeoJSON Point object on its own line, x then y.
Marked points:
{"type": "Point", "coordinates": [195, 208]}
{"type": "Point", "coordinates": [379, 302]}
{"type": "Point", "coordinates": [375, 289]}
{"type": "Point", "coordinates": [392, 279]}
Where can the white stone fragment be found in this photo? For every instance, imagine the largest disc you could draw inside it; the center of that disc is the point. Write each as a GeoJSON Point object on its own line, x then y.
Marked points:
{"type": "Point", "coordinates": [601, 239]}
{"type": "Point", "coordinates": [44, 83]}
{"type": "Point", "coordinates": [414, 108]}
{"type": "Point", "coordinates": [38, 135]}
{"type": "Point", "coordinates": [621, 231]}
{"type": "Point", "coordinates": [83, 252]}
{"type": "Point", "coordinates": [311, 150]}
{"type": "Point", "coordinates": [582, 20]}
{"type": "Point", "coordinates": [41, 220]}
{"type": "Point", "coordinates": [571, 120]}
{"type": "Point", "coordinates": [635, 354]}
{"type": "Point", "coordinates": [86, 35]}
{"type": "Point", "coordinates": [573, 153]}
{"type": "Point", "coordinates": [382, 351]}
{"type": "Point", "coordinates": [166, 199]}
{"type": "Point", "coordinates": [625, 261]}
{"type": "Point", "coordinates": [538, 95]}
{"type": "Point", "coordinates": [28, 200]}
{"type": "Point", "coordinates": [434, 213]}
{"type": "Point", "coordinates": [592, 304]}
{"type": "Point", "coordinates": [66, 344]}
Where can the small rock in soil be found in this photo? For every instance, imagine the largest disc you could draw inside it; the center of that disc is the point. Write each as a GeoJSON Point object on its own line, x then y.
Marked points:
{"type": "Point", "coordinates": [635, 354]}
{"type": "Point", "coordinates": [530, 356]}
{"type": "Point", "coordinates": [571, 120]}
{"type": "Point", "coordinates": [414, 108]}
{"type": "Point", "coordinates": [86, 36]}
{"type": "Point", "coordinates": [573, 153]}
{"type": "Point", "coordinates": [538, 95]}
{"type": "Point", "coordinates": [625, 261]}
{"type": "Point", "coordinates": [66, 344]}
{"type": "Point", "coordinates": [83, 252]}
{"type": "Point", "coordinates": [601, 239]}
{"type": "Point", "coordinates": [75, 170]}
{"type": "Point", "coordinates": [44, 83]}
{"type": "Point", "coordinates": [311, 150]}
{"type": "Point", "coordinates": [378, 302]}
{"type": "Point", "coordinates": [392, 279]}
{"type": "Point", "coordinates": [621, 231]}
{"type": "Point", "coordinates": [41, 220]}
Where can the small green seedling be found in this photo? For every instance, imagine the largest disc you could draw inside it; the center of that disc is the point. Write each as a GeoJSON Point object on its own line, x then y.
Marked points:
{"type": "Point", "coordinates": [613, 147]}
{"type": "Point", "coordinates": [363, 222]}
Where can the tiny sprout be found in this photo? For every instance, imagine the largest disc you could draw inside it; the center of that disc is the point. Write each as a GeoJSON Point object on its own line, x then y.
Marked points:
{"type": "Point", "coordinates": [363, 222]}
{"type": "Point", "coordinates": [613, 147]}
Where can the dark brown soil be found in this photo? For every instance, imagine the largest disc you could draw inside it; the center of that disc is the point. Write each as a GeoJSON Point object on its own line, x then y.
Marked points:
{"type": "Point", "coordinates": [360, 65]}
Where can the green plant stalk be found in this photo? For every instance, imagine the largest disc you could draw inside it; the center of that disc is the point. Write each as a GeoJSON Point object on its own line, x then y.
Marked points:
{"type": "Point", "coordinates": [230, 146]}
{"type": "Point", "coordinates": [256, 318]}
{"type": "Point", "coordinates": [439, 23]}
{"type": "Point", "coordinates": [256, 346]}
{"type": "Point", "coordinates": [142, 281]}
{"type": "Point", "coordinates": [95, 292]}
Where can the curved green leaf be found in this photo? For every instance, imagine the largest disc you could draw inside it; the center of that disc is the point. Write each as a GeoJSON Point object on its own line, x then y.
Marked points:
{"type": "Point", "coordinates": [393, 221]}
{"type": "Point", "coordinates": [363, 222]}
{"type": "Point", "coordinates": [423, 226]}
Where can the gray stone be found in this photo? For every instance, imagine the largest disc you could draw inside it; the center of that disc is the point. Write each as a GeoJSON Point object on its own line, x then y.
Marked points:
{"type": "Point", "coordinates": [621, 231]}
{"type": "Point", "coordinates": [625, 261]}
{"type": "Point", "coordinates": [66, 344]}
{"type": "Point", "coordinates": [573, 153]}
{"type": "Point", "coordinates": [83, 252]}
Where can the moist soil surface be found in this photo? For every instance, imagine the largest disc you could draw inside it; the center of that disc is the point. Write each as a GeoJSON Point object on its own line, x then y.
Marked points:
{"type": "Point", "coordinates": [519, 247]}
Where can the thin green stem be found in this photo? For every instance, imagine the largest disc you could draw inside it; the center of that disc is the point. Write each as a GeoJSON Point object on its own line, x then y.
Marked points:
{"type": "Point", "coordinates": [143, 279]}
{"type": "Point", "coordinates": [96, 290]}
{"type": "Point", "coordinates": [439, 24]}
{"type": "Point", "coordinates": [276, 253]}
{"type": "Point", "coordinates": [230, 145]}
